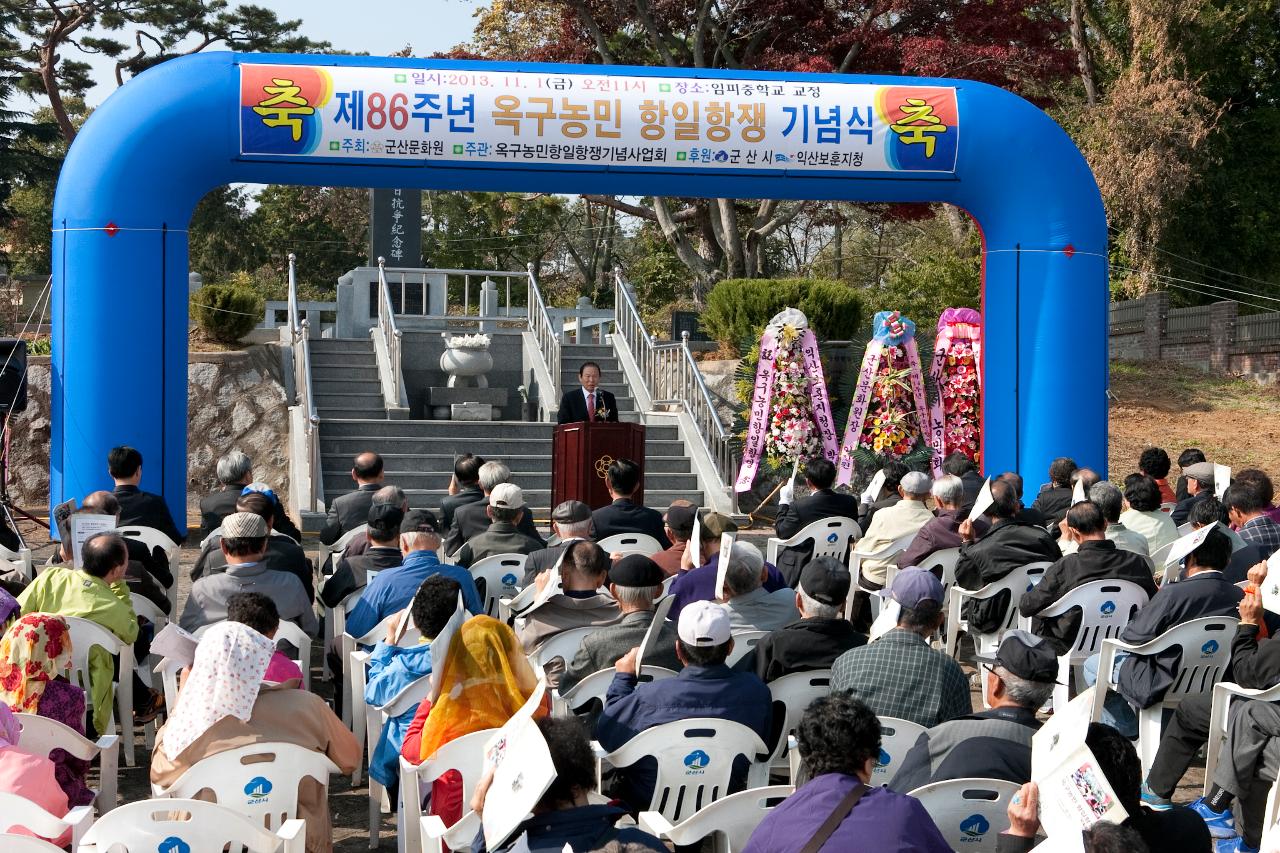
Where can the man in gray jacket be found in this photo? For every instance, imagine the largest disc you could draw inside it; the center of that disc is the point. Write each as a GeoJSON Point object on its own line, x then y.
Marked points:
{"type": "Point", "coordinates": [635, 582]}
{"type": "Point", "coordinates": [751, 607]}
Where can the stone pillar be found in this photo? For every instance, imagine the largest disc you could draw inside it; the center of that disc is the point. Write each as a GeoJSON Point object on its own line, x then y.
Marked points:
{"type": "Point", "coordinates": [581, 335]}
{"type": "Point", "coordinates": [488, 304]}
{"type": "Point", "coordinates": [346, 323]}
{"type": "Point", "coordinates": [1222, 335]}
{"type": "Point", "coordinates": [1157, 312]}
{"type": "Point", "coordinates": [194, 282]}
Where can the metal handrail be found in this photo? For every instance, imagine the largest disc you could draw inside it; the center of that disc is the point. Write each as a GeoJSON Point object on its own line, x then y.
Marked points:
{"type": "Point", "coordinates": [300, 335]}
{"type": "Point", "coordinates": [672, 377]}
{"type": "Point", "coordinates": [391, 338]}
{"type": "Point", "coordinates": [546, 335]}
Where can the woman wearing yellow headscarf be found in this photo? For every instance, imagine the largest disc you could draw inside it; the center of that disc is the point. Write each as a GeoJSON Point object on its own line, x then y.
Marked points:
{"type": "Point", "coordinates": [486, 678]}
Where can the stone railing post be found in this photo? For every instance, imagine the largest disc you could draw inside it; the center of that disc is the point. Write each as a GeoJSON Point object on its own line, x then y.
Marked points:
{"type": "Point", "coordinates": [1222, 334]}
{"type": "Point", "coordinates": [1157, 313]}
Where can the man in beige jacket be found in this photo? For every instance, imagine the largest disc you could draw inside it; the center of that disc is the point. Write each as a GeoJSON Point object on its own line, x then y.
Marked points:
{"type": "Point", "coordinates": [890, 524]}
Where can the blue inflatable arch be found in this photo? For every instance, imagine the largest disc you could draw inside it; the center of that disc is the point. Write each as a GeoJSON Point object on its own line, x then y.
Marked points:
{"type": "Point", "coordinates": [165, 139]}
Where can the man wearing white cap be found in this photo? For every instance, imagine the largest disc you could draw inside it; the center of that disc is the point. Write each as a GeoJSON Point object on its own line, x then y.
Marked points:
{"type": "Point", "coordinates": [706, 687]}
{"type": "Point", "coordinates": [905, 518]}
{"type": "Point", "coordinates": [506, 509]}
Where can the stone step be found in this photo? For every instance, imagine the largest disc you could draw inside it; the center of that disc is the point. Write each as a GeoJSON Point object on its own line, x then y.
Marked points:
{"type": "Point", "coordinates": [344, 360]}
{"type": "Point", "coordinates": [345, 373]}
{"type": "Point", "coordinates": [540, 500]}
{"type": "Point", "coordinates": [609, 379]}
{"type": "Point", "coordinates": [336, 415]}
{"type": "Point", "coordinates": [477, 431]}
{"type": "Point", "coordinates": [535, 482]}
{"type": "Point", "coordinates": [371, 403]}
{"type": "Point", "coordinates": [442, 463]}
{"type": "Point", "coordinates": [490, 448]}
{"type": "Point", "coordinates": [588, 352]}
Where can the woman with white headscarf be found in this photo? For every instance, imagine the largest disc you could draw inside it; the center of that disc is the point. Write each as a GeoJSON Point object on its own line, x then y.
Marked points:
{"type": "Point", "coordinates": [225, 705]}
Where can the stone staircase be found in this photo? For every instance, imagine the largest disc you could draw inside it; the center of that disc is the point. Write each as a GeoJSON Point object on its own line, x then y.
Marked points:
{"type": "Point", "coordinates": [419, 455]}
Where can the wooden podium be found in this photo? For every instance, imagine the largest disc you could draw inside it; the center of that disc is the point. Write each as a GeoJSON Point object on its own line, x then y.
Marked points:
{"type": "Point", "coordinates": [582, 452]}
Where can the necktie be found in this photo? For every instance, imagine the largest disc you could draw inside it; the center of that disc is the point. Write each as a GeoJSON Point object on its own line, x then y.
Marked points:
{"type": "Point", "coordinates": [591, 406]}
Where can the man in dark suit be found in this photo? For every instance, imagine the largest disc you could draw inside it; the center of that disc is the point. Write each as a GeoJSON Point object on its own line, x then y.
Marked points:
{"type": "Point", "coordinates": [590, 402]}
{"type": "Point", "coordinates": [624, 515]}
{"type": "Point", "coordinates": [571, 521]}
{"type": "Point", "coordinates": [136, 506]}
{"type": "Point", "coordinates": [962, 466]}
{"type": "Point", "coordinates": [235, 472]}
{"type": "Point", "coordinates": [473, 519]}
{"type": "Point", "coordinates": [352, 509]}
{"type": "Point", "coordinates": [819, 474]}
{"type": "Point", "coordinates": [465, 488]}
{"type": "Point", "coordinates": [1199, 488]}
{"type": "Point", "coordinates": [1055, 497]}
{"type": "Point", "coordinates": [383, 552]}
{"type": "Point", "coordinates": [1026, 514]}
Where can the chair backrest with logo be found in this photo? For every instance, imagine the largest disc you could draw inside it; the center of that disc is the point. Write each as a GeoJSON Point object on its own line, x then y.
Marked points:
{"type": "Point", "coordinates": [970, 813]}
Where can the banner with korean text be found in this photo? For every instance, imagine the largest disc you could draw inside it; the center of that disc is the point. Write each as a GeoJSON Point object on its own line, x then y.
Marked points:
{"type": "Point", "coordinates": [501, 117]}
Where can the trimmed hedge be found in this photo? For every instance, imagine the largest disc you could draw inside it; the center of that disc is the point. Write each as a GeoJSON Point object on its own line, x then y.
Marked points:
{"type": "Point", "coordinates": [225, 312]}
{"type": "Point", "coordinates": [739, 308]}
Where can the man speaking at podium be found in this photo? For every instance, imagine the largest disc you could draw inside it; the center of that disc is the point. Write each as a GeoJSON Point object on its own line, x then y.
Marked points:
{"type": "Point", "coordinates": [590, 402]}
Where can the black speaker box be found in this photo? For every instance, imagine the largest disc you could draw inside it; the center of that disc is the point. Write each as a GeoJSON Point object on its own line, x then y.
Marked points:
{"type": "Point", "coordinates": [13, 376]}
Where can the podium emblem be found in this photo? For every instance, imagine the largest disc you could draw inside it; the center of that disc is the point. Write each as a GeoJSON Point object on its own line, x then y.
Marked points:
{"type": "Point", "coordinates": [602, 466]}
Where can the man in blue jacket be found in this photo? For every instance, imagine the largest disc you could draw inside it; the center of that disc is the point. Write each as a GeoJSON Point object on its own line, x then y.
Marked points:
{"type": "Point", "coordinates": [706, 687]}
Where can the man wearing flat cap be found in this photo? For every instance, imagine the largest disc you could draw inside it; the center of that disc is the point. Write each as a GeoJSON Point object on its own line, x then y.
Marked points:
{"type": "Point", "coordinates": [1199, 486]}
{"type": "Point", "coordinates": [991, 744]}
{"type": "Point", "coordinates": [635, 582]}
{"type": "Point", "coordinates": [821, 635]}
{"type": "Point", "coordinates": [571, 521]}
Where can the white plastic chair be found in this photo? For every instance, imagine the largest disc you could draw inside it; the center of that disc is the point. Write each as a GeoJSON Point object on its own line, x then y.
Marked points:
{"type": "Point", "coordinates": [1168, 506]}
{"type": "Point", "coordinates": [1105, 609]}
{"type": "Point", "coordinates": [596, 685]}
{"type": "Point", "coordinates": [357, 672]}
{"type": "Point", "coordinates": [498, 576]}
{"type": "Point", "coordinates": [290, 633]}
{"type": "Point", "coordinates": [563, 645]}
{"type": "Point", "coordinates": [84, 636]}
{"type": "Point", "coordinates": [194, 826]}
{"type": "Point", "coordinates": [968, 812]}
{"type": "Point", "coordinates": [1158, 557]}
{"type": "Point", "coordinates": [729, 820]}
{"type": "Point", "coordinates": [465, 755]}
{"type": "Point", "coordinates": [26, 844]}
{"type": "Point", "coordinates": [1206, 652]}
{"type": "Point", "coordinates": [375, 719]}
{"type": "Point", "coordinates": [168, 670]}
{"type": "Point", "coordinates": [335, 625]}
{"type": "Point", "coordinates": [795, 692]}
{"type": "Point", "coordinates": [265, 789]}
{"type": "Point", "coordinates": [743, 643]}
{"type": "Point", "coordinates": [896, 739]}
{"type": "Point", "coordinates": [21, 812]}
{"type": "Point", "coordinates": [1016, 583]}
{"type": "Point", "coordinates": [630, 543]}
{"type": "Point", "coordinates": [831, 537]}
{"type": "Point", "coordinates": [695, 760]}
{"type": "Point", "coordinates": [1223, 694]}
{"type": "Point", "coordinates": [154, 539]}
{"type": "Point", "coordinates": [41, 736]}
{"type": "Point", "coordinates": [144, 607]}
{"type": "Point", "coordinates": [20, 560]}
{"type": "Point", "coordinates": [887, 553]}
{"type": "Point", "coordinates": [324, 551]}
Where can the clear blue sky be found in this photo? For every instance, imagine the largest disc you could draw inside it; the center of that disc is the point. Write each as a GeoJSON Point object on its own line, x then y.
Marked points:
{"type": "Point", "coordinates": [378, 27]}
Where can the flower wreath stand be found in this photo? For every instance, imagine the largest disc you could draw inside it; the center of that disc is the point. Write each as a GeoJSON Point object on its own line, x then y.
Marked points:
{"type": "Point", "coordinates": [955, 420]}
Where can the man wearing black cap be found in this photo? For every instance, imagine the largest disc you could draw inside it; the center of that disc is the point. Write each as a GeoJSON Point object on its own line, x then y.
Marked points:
{"type": "Point", "coordinates": [678, 525]}
{"type": "Point", "coordinates": [571, 521]}
{"type": "Point", "coordinates": [635, 582]}
{"type": "Point", "coordinates": [383, 533]}
{"type": "Point", "coordinates": [815, 640]}
{"type": "Point", "coordinates": [992, 744]}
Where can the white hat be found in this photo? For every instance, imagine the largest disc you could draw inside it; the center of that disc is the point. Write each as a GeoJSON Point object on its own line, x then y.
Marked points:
{"type": "Point", "coordinates": [704, 623]}
{"type": "Point", "coordinates": [506, 496]}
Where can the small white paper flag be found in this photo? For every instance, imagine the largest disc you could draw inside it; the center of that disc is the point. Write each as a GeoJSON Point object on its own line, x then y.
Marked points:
{"type": "Point", "coordinates": [872, 491]}
{"type": "Point", "coordinates": [85, 526]}
{"type": "Point", "coordinates": [982, 502]}
{"type": "Point", "coordinates": [722, 563]}
{"type": "Point", "coordinates": [1077, 493]}
{"type": "Point", "coordinates": [1221, 479]}
{"type": "Point", "coordinates": [695, 539]}
{"type": "Point", "coordinates": [650, 641]}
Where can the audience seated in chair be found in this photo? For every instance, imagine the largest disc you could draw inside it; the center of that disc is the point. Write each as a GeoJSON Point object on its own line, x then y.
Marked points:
{"type": "Point", "coordinates": [393, 667]}
{"type": "Point", "coordinates": [635, 583]}
{"type": "Point", "coordinates": [35, 659]}
{"type": "Point", "coordinates": [282, 553]}
{"type": "Point", "coordinates": [486, 678]}
{"type": "Point", "coordinates": [1266, 491]}
{"type": "Point", "coordinates": [359, 541]}
{"type": "Point", "coordinates": [1209, 512]}
{"type": "Point", "coordinates": [1247, 512]}
{"type": "Point", "coordinates": [1025, 513]}
{"type": "Point", "coordinates": [698, 583]}
{"type": "Point", "coordinates": [506, 512]}
{"type": "Point", "coordinates": [472, 519]}
{"type": "Point", "coordinates": [1154, 463]}
{"type": "Point", "coordinates": [579, 604]}
{"type": "Point", "coordinates": [1107, 497]}
{"type": "Point", "coordinates": [958, 464]}
{"type": "Point", "coordinates": [382, 537]}
{"type": "Point", "coordinates": [751, 606]}
{"type": "Point", "coordinates": [235, 473]}
{"type": "Point", "coordinates": [244, 545]}
{"type": "Point", "coordinates": [819, 636]}
{"type": "Point", "coordinates": [995, 743]}
{"type": "Point", "coordinates": [97, 593]}
{"type": "Point", "coordinates": [1097, 559]}
{"type": "Point", "coordinates": [624, 515]}
{"type": "Point", "coordinates": [904, 518]}
{"type": "Point", "coordinates": [1143, 680]}
{"type": "Point", "coordinates": [943, 530]}
{"type": "Point", "coordinates": [1143, 514]}
{"type": "Point", "coordinates": [894, 471]}
{"type": "Point", "coordinates": [570, 522]}
{"type": "Point", "coordinates": [899, 675]}
{"type": "Point", "coordinates": [1055, 496]}
{"type": "Point", "coordinates": [31, 777]}
{"type": "Point", "coordinates": [677, 524]}
{"type": "Point", "coordinates": [706, 687]}
{"type": "Point", "coordinates": [839, 744]}
{"type": "Point", "coordinates": [124, 463]}
{"type": "Point", "coordinates": [349, 511]}
{"type": "Point", "coordinates": [564, 817]}
{"type": "Point", "coordinates": [146, 574]}
{"type": "Point", "coordinates": [795, 515]}
{"type": "Point", "coordinates": [224, 704]}
{"type": "Point", "coordinates": [1199, 485]}
{"type": "Point", "coordinates": [259, 613]}
{"type": "Point", "coordinates": [464, 488]}
{"type": "Point", "coordinates": [1008, 545]}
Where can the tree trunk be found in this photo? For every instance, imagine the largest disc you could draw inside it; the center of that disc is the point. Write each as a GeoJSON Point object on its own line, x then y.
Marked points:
{"type": "Point", "coordinates": [49, 79]}
{"type": "Point", "coordinates": [730, 237]}
{"type": "Point", "coordinates": [1080, 42]}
